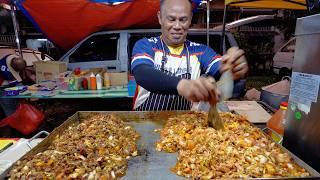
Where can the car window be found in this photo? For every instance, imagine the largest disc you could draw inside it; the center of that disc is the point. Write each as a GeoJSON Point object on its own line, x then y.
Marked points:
{"type": "Point", "coordinates": [97, 48]}
{"type": "Point", "coordinates": [289, 47]}
{"type": "Point", "coordinates": [214, 39]}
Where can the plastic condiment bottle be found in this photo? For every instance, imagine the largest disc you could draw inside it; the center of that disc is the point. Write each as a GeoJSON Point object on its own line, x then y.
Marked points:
{"type": "Point", "coordinates": [93, 82]}
{"type": "Point", "coordinates": [99, 81]}
{"type": "Point", "coordinates": [84, 83]}
{"type": "Point", "coordinates": [276, 122]}
{"type": "Point", "coordinates": [106, 79]}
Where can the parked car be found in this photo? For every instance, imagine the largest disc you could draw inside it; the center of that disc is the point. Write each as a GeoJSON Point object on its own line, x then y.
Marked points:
{"type": "Point", "coordinates": [112, 49]}
{"type": "Point", "coordinates": [283, 58]}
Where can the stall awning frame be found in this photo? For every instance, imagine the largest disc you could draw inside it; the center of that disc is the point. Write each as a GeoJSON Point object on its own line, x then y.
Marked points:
{"type": "Point", "coordinates": [269, 4]}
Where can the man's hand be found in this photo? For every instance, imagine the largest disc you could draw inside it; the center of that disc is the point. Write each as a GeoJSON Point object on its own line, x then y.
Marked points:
{"type": "Point", "coordinates": [236, 61]}
{"type": "Point", "coordinates": [202, 89]}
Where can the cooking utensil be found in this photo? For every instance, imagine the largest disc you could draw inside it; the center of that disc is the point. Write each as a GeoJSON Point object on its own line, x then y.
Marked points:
{"type": "Point", "coordinates": [225, 86]}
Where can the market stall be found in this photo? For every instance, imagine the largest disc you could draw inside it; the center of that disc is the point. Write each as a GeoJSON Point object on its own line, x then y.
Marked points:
{"type": "Point", "coordinates": [171, 144]}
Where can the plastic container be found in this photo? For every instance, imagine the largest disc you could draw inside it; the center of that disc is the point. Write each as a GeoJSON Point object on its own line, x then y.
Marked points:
{"type": "Point", "coordinates": [74, 83]}
{"type": "Point", "coordinates": [132, 85]}
{"type": "Point", "coordinates": [99, 81]}
{"type": "Point", "coordinates": [93, 82]}
{"type": "Point", "coordinates": [84, 83]}
{"type": "Point", "coordinates": [26, 119]}
{"type": "Point", "coordinates": [14, 91]}
{"type": "Point", "coordinates": [106, 79]}
{"type": "Point", "coordinates": [277, 121]}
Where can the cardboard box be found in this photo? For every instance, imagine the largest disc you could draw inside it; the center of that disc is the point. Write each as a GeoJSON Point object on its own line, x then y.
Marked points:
{"type": "Point", "coordinates": [118, 79]}
{"type": "Point", "coordinates": [95, 71]}
{"type": "Point", "coordinates": [48, 70]}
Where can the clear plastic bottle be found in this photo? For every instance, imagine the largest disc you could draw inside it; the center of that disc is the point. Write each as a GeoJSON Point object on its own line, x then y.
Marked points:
{"type": "Point", "coordinates": [276, 122]}
{"type": "Point", "coordinates": [106, 79]}
{"type": "Point", "coordinates": [99, 81]}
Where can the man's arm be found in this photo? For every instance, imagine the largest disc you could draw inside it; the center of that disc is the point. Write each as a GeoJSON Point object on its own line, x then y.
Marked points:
{"type": "Point", "coordinates": [154, 80]}
{"type": "Point", "coordinates": [214, 65]}
{"type": "Point", "coordinates": [210, 63]}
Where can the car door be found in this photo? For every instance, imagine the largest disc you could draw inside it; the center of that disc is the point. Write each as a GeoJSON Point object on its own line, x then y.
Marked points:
{"type": "Point", "coordinates": [100, 50]}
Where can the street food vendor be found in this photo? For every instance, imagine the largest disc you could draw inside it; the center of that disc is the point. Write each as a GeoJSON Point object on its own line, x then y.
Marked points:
{"type": "Point", "coordinates": [168, 69]}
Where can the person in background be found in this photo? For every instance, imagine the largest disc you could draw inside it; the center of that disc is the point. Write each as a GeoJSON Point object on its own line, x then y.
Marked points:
{"type": "Point", "coordinates": [10, 69]}
{"type": "Point", "coordinates": [169, 68]}
{"type": "Point", "coordinates": [11, 66]}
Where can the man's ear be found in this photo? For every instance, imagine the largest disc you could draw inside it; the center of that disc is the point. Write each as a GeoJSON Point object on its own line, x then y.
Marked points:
{"type": "Point", "coordinates": [159, 17]}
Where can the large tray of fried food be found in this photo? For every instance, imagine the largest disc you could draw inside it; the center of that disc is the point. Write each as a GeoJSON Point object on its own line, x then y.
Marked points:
{"type": "Point", "coordinates": [97, 148]}
{"type": "Point", "coordinates": [239, 151]}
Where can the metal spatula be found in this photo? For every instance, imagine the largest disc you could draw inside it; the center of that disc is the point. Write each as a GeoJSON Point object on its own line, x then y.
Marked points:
{"type": "Point", "coordinates": [225, 86]}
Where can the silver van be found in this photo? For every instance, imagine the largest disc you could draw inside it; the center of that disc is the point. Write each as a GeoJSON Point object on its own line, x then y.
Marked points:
{"type": "Point", "coordinates": [112, 49]}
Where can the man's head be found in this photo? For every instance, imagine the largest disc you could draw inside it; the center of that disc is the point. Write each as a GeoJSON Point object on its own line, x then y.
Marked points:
{"type": "Point", "coordinates": [175, 19]}
{"type": "Point", "coordinates": [18, 64]}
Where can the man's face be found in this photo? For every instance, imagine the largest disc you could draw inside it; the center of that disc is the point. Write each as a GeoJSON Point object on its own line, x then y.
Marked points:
{"type": "Point", "coordinates": [175, 19]}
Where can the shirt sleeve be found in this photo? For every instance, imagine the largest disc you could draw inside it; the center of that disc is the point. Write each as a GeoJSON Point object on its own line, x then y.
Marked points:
{"type": "Point", "coordinates": [155, 81]}
{"type": "Point", "coordinates": [142, 53]}
{"type": "Point", "coordinates": [210, 63]}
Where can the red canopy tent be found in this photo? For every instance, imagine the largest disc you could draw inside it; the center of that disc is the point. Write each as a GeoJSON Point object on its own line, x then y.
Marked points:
{"type": "Point", "coordinates": [66, 22]}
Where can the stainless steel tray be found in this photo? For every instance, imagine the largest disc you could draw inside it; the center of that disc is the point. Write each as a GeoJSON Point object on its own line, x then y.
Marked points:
{"type": "Point", "coordinates": [151, 164]}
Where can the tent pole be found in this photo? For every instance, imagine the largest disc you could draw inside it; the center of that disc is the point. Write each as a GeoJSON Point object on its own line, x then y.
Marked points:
{"type": "Point", "coordinates": [15, 26]}
{"type": "Point", "coordinates": [222, 47]}
{"type": "Point", "coordinates": [208, 22]}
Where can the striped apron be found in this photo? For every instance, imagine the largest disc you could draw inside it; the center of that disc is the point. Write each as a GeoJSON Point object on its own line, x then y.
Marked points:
{"type": "Point", "coordinates": [161, 102]}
